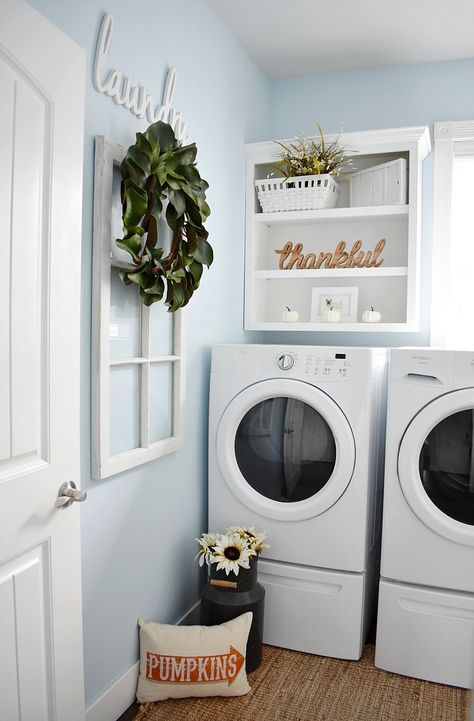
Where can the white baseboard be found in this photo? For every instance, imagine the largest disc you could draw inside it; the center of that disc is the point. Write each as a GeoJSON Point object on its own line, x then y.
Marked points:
{"type": "Point", "coordinates": [119, 697]}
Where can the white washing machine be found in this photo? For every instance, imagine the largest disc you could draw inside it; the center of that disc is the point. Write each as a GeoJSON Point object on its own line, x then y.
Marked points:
{"type": "Point", "coordinates": [296, 437]}
{"type": "Point", "coordinates": [425, 623]}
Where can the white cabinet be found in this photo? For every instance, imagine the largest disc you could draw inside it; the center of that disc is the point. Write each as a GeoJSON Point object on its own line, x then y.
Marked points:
{"type": "Point", "coordinates": [387, 281]}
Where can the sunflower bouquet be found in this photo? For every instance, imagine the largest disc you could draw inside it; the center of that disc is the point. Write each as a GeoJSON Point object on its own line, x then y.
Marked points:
{"type": "Point", "coordinates": [231, 550]}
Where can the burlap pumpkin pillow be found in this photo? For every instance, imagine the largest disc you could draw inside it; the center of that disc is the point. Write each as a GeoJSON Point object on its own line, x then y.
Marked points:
{"type": "Point", "coordinates": [181, 661]}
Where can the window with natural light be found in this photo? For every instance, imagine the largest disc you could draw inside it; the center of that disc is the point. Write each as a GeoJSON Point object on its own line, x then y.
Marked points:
{"type": "Point", "coordinates": [460, 323]}
{"type": "Point", "coordinates": [452, 299]}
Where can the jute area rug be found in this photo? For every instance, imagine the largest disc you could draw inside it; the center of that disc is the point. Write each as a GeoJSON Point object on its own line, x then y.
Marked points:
{"type": "Point", "coordinates": [292, 686]}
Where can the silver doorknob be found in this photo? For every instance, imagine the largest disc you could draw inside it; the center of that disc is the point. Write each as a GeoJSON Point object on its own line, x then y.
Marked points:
{"type": "Point", "coordinates": [68, 494]}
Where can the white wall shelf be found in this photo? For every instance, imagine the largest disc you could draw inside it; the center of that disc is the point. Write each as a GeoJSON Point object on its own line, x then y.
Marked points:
{"type": "Point", "coordinates": [294, 217]}
{"type": "Point", "coordinates": [331, 273]}
{"type": "Point", "coordinates": [340, 327]}
{"type": "Point", "coordinates": [392, 288]}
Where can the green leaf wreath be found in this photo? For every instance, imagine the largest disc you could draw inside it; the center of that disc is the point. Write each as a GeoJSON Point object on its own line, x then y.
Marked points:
{"type": "Point", "coordinates": [159, 176]}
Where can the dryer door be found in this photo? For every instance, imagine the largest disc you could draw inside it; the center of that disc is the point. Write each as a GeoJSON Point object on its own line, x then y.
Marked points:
{"type": "Point", "coordinates": [436, 465]}
{"type": "Point", "coordinates": [285, 449]}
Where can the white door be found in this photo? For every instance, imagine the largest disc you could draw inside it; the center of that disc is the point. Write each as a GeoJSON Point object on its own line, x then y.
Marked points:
{"type": "Point", "coordinates": [41, 142]}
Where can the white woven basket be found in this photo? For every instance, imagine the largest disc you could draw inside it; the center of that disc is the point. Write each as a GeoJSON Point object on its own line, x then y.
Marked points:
{"type": "Point", "coordinates": [307, 192]}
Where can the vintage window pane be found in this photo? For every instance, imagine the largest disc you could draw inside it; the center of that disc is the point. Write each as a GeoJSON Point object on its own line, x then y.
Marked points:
{"type": "Point", "coordinates": [124, 418]}
{"type": "Point", "coordinates": [161, 330]}
{"type": "Point", "coordinates": [118, 255]}
{"type": "Point", "coordinates": [160, 401]}
{"type": "Point", "coordinates": [124, 330]}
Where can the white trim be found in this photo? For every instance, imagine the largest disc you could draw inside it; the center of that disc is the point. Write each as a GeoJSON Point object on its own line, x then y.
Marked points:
{"type": "Point", "coordinates": [454, 130]}
{"type": "Point", "coordinates": [388, 270]}
{"type": "Point", "coordinates": [292, 217]}
{"type": "Point", "coordinates": [447, 135]}
{"type": "Point", "coordinates": [367, 141]}
{"type": "Point", "coordinates": [117, 699]}
{"type": "Point", "coordinates": [121, 694]}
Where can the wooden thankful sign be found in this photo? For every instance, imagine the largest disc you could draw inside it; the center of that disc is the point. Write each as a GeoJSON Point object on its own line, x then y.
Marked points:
{"type": "Point", "coordinates": [294, 257]}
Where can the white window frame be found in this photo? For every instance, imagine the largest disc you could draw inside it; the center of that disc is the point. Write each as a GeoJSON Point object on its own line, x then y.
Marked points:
{"type": "Point", "coordinates": [451, 139]}
{"type": "Point", "coordinates": [108, 155]}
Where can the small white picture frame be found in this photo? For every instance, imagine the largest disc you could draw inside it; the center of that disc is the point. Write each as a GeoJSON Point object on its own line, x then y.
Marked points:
{"type": "Point", "coordinates": [342, 299]}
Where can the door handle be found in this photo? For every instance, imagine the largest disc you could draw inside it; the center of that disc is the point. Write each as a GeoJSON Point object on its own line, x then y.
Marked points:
{"type": "Point", "coordinates": [68, 494]}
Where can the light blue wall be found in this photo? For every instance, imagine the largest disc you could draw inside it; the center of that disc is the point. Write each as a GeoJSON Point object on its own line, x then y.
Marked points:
{"type": "Point", "coordinates": [139, 527]}
{"type": "Point", "coordinates": [368, 99]}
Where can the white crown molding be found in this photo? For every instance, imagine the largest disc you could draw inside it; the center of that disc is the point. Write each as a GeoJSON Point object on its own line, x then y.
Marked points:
{"type": "Point", "coordinates": [365, 140]}
{"type": "Point", "coordinates": [454, 130]}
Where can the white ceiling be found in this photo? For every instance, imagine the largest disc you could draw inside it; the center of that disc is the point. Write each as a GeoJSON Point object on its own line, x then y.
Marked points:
{"type": "Point", "coordinates": [293, 38]}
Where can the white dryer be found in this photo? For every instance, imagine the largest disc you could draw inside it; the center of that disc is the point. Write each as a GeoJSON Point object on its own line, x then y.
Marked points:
{"type": "Point", "coordinates": [425, 625]}
{"type": "Point", "coordinates": [296, 437]}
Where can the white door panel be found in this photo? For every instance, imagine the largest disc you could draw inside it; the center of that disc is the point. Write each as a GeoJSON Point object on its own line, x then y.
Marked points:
{"type": "Point", "coordinates": [24, 612]}
{"type": "Point", "coordinates": [27, 251]}
{"type": "Point", "coordinates": [41, 141]}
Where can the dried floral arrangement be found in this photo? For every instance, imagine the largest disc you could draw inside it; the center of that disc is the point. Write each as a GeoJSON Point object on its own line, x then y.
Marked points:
{"type": "Point", "coordinates": [311, 156]}
{"type": "Point", "coordinates": [231, 550]}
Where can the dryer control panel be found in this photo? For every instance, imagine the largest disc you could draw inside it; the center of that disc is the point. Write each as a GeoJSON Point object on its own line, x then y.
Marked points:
{"type": "Point", "coordinates": [308, 363]}
{"type": "Point", "coordinates": [325, 365]}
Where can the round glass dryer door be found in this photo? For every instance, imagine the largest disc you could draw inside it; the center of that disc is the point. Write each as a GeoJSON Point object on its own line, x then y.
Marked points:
{"type": "Point", "coordinates": [285, 449]}
{"type": "Point", "coordinates": [436, 465]}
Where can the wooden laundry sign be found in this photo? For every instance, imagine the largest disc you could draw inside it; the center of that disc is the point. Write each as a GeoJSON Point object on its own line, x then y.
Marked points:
{"type": "Point", "coordinates": [293, 257]}
{"type": "Point", "coordinates": [136, 99]}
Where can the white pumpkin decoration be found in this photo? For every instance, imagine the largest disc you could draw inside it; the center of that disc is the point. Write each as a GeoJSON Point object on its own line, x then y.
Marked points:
{"type": "Point", "coordinates": [289, 316]}
{"type": "Point", "coordinates": [333, 315]}
{"type": "Point", "coordinates": [371, 316]}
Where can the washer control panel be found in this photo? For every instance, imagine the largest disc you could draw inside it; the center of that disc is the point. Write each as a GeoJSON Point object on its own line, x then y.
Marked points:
{"type": "Point", "coordinates": [333, 366]}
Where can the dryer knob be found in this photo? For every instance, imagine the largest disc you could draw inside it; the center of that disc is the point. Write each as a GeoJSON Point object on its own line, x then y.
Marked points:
{"type": "Point", "coordinates": [286, 362]}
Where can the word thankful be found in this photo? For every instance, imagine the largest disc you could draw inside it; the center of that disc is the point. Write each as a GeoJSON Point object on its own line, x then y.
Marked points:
{"type": "Point", "coordinates": [137, 100]}
{"type": "Point", "coordinates": [294, 257]}
{"type": "Point", "coordinates": [194, 669]}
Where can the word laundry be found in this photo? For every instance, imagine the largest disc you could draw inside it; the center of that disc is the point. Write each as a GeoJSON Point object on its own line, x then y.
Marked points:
{"type": "Point", "coordinates": [136, 99]}
{"type": "Point", "coordinates": [294, 257]}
